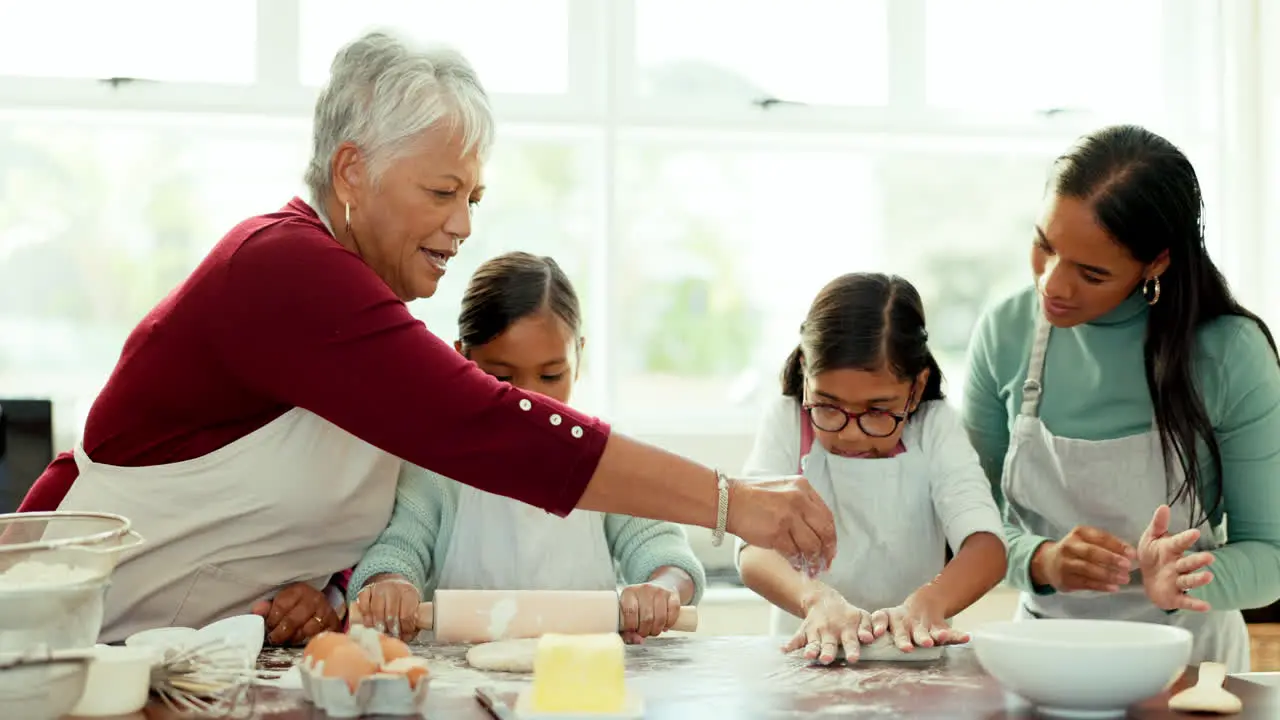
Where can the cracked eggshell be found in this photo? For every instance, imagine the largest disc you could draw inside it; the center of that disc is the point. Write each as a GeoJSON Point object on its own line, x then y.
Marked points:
{"type": "Point", "coordinates": [381, 693]}
{"type": "Point", "coordinates": [364, 673]}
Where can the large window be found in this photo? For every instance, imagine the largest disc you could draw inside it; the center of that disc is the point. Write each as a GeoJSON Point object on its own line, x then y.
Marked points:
{"type": "Point", "coordinates": [699, 167]}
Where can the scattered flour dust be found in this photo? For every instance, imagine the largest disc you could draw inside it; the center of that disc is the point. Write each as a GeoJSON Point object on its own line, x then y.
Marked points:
{"type": "Point", "coordinates": [859, 681]}
{"type": "Point", "coordinates": [500, 617]}
{"type": "Point", "coordinates": [36, 574]}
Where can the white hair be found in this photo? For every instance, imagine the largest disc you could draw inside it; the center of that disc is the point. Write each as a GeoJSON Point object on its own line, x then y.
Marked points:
{"type": "Point", "coordinates": [382, 94]}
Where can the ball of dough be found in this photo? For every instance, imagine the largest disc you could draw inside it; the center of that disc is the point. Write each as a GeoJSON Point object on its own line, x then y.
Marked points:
{"type": "Point", "coordinates": [515, 656]}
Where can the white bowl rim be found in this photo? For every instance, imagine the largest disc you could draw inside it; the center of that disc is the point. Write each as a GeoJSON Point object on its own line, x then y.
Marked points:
{"type": "Point", "coordinates": [235, 621]}
{"type": "Point", "coordinates": [1161, 634]}
{"type": "Point", "coordinates": [158, 635]}
{"type": "Point", "coordinates": [127, 654]}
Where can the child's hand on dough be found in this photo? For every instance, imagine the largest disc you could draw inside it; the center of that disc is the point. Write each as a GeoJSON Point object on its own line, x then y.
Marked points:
{"type": "Point", "coordinates": [830, 623]}
{"type": "Point", "coordinates": [917, 622]}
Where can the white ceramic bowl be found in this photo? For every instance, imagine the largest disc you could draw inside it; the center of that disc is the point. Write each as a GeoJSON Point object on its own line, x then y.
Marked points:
{"type": "Point", "coordinates": [61, 618]}
{"type": "Point", "coordinates": [1270, 679]}
{"type": "Point", "coordinates": [1082, 668]}
{"type": "Point", "coordinates": [42, 691]}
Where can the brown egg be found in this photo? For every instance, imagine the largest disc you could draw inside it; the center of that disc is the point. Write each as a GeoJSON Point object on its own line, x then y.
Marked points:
{"type": "Point", "coordinates": [393, 649]}
{"type": "Point", "coordinates": [349, 662]}
{"type": "Point", "coordinates": [413, 668]}
{"type": "Point", "coordinates": [322, 645]}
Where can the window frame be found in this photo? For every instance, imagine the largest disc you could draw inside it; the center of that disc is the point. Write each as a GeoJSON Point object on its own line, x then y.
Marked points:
{"type": "Point", "coordinates": [600, 100]}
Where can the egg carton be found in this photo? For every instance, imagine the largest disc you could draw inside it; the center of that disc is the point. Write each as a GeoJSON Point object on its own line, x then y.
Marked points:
{"type": "Point", "coordinates": [378, 694]}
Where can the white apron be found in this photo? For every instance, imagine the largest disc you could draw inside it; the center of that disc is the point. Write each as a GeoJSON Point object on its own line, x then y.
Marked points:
{"type": "Point", "coordinates": [295, 501]}
{"type": "Point", "coordinates": [1051, 484]}
{"type": "Point", "coordinates": [880, 559]}
{"type": "Point", "coordinates": [503, 544]}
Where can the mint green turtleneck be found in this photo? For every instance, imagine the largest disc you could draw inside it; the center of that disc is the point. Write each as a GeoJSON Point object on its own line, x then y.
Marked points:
{"type": "Point", "coordinates": [1096, 389]}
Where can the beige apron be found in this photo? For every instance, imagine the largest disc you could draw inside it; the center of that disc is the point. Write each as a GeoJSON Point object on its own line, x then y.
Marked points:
{"type": "Point", "coordinates": [880, 559]}
{"type": "Point", "coordinates": [295, 501]}
{"type": "Point", "coordinates": [1051, 484]}
{"type": "Point", "coordinates": [503, 544]}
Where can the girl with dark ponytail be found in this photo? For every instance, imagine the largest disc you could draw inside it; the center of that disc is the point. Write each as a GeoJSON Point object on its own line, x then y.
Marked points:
{"type": "Point", "coordinates": [862, 415]}
{"type": "Point", "coordinates": [521, 323]}
{"type": "Point", "coordinates": [1125, 405]}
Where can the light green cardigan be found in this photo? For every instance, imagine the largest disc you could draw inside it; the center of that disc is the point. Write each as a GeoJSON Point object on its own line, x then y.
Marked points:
{"type": "Point", "coordinates": [416, 540]}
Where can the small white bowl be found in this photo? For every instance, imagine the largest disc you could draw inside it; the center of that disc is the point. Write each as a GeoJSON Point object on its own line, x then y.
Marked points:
{"type": "Point", "coordinates": [1083, 668]}
{"type": "Point", "coordinates": [119, 680]}
{"type": "Point", "coordinates": [246, 633]}
{"type": "Point", "coordinates": [163, 638]}
{"type": "Point", "coordinates": [243, 634]}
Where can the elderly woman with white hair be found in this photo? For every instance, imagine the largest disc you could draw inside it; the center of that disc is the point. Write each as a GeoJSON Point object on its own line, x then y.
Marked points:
{"type": "Point", "coordinates": [257, 418]}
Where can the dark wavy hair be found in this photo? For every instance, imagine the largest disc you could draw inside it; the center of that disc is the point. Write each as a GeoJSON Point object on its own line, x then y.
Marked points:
{"type": "Point", "coordinates": [1145, 194]}
{"type": "Point", "coordinates": [864, 321]}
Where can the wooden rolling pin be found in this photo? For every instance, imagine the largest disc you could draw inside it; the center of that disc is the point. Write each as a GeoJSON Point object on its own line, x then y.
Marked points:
{"type": "Point", "coordinates": [475, 616]}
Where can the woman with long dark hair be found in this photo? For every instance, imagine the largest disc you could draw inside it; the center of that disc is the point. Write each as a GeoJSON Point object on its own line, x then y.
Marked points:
{"type": "Point", "coordinates": [1126, 405]}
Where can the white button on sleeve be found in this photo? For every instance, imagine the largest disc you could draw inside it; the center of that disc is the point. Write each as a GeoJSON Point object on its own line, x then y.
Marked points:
{"type": "Point", "coordinates": [525, 404]}
{"type": "Point", "coordinates": [555, 419]}
{"type": "Point", "coordinates": [575, 431]}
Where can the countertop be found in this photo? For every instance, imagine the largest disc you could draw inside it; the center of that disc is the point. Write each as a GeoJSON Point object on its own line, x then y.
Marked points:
{"type": "Point", "coordinates": [727, 678]}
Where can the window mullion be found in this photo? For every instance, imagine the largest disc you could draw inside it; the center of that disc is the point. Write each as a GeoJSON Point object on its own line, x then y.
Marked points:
{"type": "Point", "coordinates": [618, 58]}
{"type": "Point", "coordinates": [907, 57]}
{"type": "Point", "coordinates": [279, 43]}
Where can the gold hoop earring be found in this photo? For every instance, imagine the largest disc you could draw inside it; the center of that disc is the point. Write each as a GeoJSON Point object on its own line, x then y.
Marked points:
{"type": "Point", "coordinates": [1151, 290]}
{"type": "Point", "coordinates": [348, 208]}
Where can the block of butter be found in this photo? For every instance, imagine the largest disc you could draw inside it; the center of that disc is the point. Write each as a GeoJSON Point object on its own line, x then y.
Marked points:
{"type": "Point", "coordinates": [579, 674]}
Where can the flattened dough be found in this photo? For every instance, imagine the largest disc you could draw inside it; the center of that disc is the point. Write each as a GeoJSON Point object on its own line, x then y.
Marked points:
{"type": "Point", "coordinates": [883, 650]}
{"type": "Point", "coordinates": [515, 656]}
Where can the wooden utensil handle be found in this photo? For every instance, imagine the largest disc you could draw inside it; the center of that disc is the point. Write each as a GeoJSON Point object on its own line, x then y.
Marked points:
{"type": "Point", "coordinates": [687, 621]}
{"type": "Point", "coordinates": [1211, 674]}
{"type": "Point", "coordinates": [426, 616]}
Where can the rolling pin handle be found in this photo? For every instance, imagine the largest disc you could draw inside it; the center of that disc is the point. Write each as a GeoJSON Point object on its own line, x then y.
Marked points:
{"type": "Point", "coordinates": [426, 616]}
{"type": "Point", "coordinates": [687, 621]}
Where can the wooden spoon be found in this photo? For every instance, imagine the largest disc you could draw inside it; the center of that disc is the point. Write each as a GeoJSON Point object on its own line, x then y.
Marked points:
{"type": "Point", "coordinates": [1207, 695]}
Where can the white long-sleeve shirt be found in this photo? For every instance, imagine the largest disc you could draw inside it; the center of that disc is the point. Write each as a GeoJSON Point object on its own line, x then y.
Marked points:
{"type": "Point", "coordinates": [895, 515]}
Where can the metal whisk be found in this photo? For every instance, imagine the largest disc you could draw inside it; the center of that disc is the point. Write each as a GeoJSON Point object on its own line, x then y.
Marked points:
{"type": "Point", "coordinates": [209, 678]}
